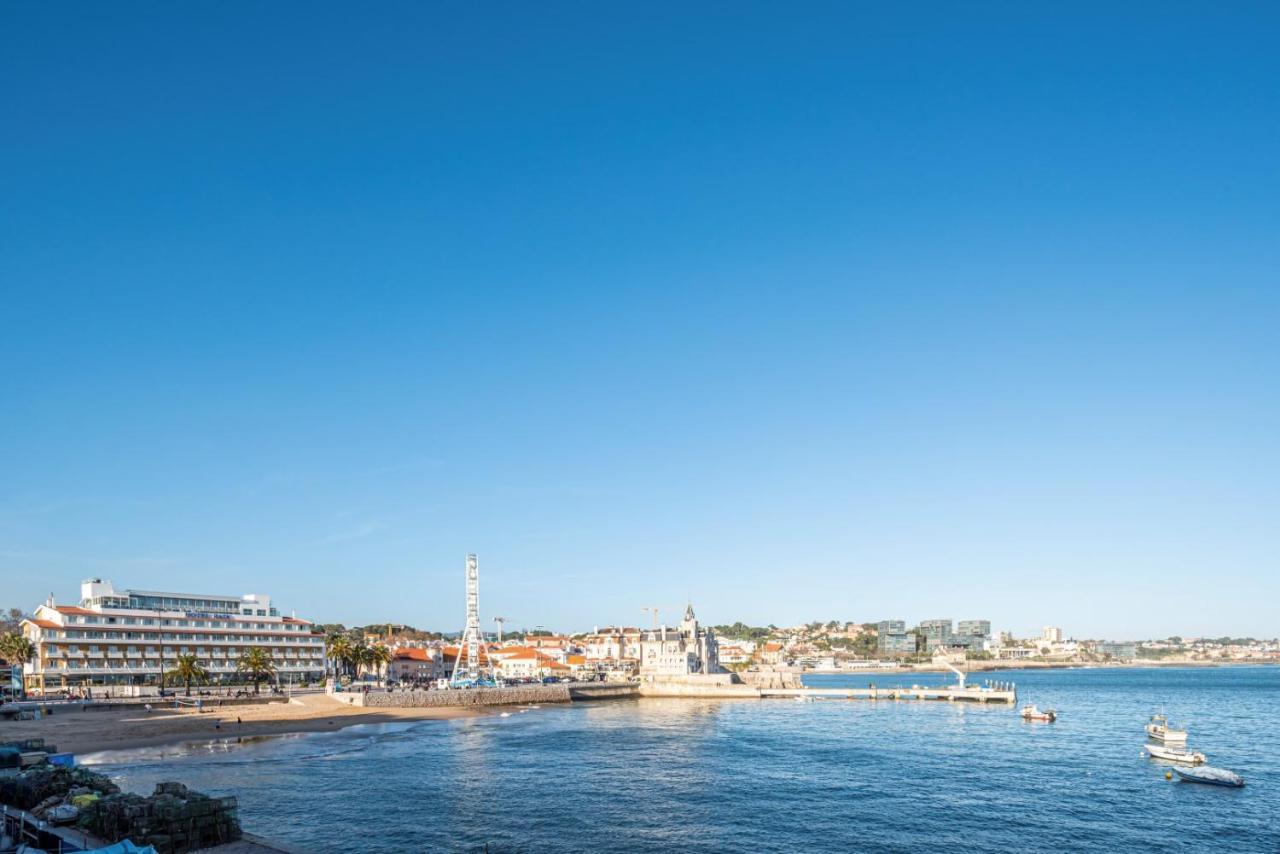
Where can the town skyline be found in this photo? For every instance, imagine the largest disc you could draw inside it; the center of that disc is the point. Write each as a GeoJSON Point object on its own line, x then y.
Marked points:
{"type": "Point", "coordinates": [669, 615]}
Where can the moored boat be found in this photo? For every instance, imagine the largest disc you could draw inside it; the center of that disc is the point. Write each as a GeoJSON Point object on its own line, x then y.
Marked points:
{"type": "Point", "coordinates": [1212, 776]}
{"type": "Point", "coordinates": [1186, 757]}
{"type": "Point", "coordinates": [1160, 730]}
{"type": "Point", "coordinates": [1031, 712]}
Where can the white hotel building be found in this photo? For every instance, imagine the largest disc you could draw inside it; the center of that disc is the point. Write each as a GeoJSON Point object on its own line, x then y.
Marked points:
{"type": "Point", "coordinates": [128, 637]}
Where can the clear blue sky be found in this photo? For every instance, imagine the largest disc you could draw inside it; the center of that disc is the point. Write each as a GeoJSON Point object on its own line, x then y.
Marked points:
{"type": "Point", "coordinates": [823, 312]}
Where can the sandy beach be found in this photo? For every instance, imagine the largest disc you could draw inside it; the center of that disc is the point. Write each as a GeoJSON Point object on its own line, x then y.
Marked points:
{"type": "Point", "coordinates": [85, 732]}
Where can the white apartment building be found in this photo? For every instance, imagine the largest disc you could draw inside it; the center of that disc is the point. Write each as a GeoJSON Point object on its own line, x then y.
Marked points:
{"type": "Point", "coordinates": [527, 663]}
{"type": "Point", "coordinates": [612, 644]}
{"type": "Point", "coordinates": [128, 637]}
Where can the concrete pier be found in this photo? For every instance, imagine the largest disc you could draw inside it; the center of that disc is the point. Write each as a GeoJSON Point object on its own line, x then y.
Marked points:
{"type": "Point", "coordinates": [588, 691]}
{"type": "Point", "coordinates": [949, 693]}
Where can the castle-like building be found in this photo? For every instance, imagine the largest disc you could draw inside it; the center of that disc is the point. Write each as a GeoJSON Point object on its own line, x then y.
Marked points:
{"type": "Point", "coordinates": [677, 652]}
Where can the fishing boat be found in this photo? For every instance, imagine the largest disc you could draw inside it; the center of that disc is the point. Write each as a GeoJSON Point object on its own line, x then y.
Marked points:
{"type": "Point", "coordinates": [1159, 729]}
{"type": "Point", "coordinates": [1186, 757]}
{"type": "Point", "coordinates": [1212, 776]}
{"type": "Point", "coordinates": [1031, 712]}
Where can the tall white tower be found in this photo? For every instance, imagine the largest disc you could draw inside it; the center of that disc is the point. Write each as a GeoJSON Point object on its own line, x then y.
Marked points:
{"type": "Point", "coordinates": [468, 667]}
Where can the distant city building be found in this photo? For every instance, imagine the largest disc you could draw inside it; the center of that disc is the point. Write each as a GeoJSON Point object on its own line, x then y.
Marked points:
{"type": "Point", "coordinates": [612, 647]}
{"type": "Point", "coordinates": [129, 637]}
{"type": "Point", "coordinates": [689, 649]}
{"type": "Point", "coordinates": [1051, 634]}
{"type": "Point", "coordinates": [769, 653]}
{"type": "Point", "coordinates": [415, 664]}
{"type": "Point", "coordinates": [526, 662]}
{"type": "Point", "coordinates": [891, 627]}
{"type": "Point", "coordinates": [1118, 650]}
{"type": "Point", "coordinates": [974, 628]}
{"type": "Point", "coordinates": [896, 643]}
{"type": "Point", "coordinates": [936, 632]}
{"type": "Point", "coordinates": [973, 635]}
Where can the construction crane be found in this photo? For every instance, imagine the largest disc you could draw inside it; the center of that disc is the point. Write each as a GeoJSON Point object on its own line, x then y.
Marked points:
{"type": "Point", "coordinates": [946, 660]}
{"type": "Point", "coordinates": [654, 612]}
{"type": "Point", "coordinates": [501, 621]}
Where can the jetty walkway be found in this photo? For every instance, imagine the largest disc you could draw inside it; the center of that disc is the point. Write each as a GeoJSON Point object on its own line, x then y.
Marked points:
{"type": "Point", "coordinates": [999, 692]}
{"type": "Point", "coordinates": [950, 693]}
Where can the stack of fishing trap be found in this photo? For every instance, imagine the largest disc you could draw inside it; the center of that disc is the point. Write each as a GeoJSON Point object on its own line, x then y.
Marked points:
{"type": "Point", "coordinates": [174, 819]}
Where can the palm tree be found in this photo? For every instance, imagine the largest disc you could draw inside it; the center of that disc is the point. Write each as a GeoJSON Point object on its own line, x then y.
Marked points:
{"type": "Point", "coordinates": [257, 662]}
{"type": "Point", "coordinates": [338, 647]}
{"type": "Point", "coordinates": [358, 657]}
{"type": "Point", "coordinates": [16, 649]}
{"type": "Point", "coordinates": [187, 669]}
{"type": "Point", "coordinates": [374, 657]}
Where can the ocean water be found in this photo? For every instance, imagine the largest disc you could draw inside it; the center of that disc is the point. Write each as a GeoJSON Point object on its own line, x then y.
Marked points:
{"type": "Point", "coordinates": [772, 775]}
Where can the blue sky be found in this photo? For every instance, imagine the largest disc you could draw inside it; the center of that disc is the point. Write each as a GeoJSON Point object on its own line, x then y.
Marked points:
{"type": "Point", "coordinates": [839, 312]}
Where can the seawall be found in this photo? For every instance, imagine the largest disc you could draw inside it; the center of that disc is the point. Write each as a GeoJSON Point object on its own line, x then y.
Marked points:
{"type": "Point", "coordinates": [470, 697]}
{"type": "Point", "coordinates": [678, 689]}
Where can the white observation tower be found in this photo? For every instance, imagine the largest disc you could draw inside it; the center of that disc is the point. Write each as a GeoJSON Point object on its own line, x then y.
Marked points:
{"type": "Point", "coordinates": [469, 670]}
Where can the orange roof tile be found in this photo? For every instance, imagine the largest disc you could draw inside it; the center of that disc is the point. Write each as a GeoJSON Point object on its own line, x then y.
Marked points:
{"type": "Point", "coordinates": [412, 653]}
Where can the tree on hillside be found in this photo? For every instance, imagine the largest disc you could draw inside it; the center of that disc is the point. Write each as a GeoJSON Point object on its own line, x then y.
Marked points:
{"type": "Point", "coordinates": [11, 621]}
{"type": "Point", "coordinates": [864, 645]}
{"type": "Point", "coordinates": [741, 631]}
{"type": "Point", "coordinates": [16, 649]}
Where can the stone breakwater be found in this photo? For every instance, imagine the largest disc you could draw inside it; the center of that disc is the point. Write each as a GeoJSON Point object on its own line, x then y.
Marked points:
{"type": "Point", "coordinates": [469, 697]}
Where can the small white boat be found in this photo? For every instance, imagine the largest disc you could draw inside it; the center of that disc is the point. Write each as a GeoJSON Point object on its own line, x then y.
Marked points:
{"type": "Point", "coordinates": [62, 814]}
{"type": "Point", "coordinates": [1031, 712]}
{"type": "Point", "coordinates": [1159, 729]}
{"type": "Point", "coordinates": [1186, 757]}
{"type": "Point", "coordinates": [1212, 776]}
{"type": "Point", "coordinates": [505, 715]}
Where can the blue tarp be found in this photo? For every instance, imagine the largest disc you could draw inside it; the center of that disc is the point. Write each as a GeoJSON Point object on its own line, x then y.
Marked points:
{"type": "Point", "coordinates": [125, 847]}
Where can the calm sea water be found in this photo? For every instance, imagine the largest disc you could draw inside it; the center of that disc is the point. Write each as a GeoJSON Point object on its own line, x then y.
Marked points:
{"type": "Point", "coordinates": [774, 775]}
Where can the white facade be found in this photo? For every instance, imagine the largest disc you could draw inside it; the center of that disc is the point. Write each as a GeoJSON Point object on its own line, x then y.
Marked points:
{"type": "Point", "coordinates": [681, 651]}
{"type": "Point", "coordinates": [128, 637]}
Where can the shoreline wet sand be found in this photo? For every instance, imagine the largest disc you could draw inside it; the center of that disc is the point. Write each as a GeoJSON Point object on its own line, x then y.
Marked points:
{"type": "Point", "coordinates": [83, 732]}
